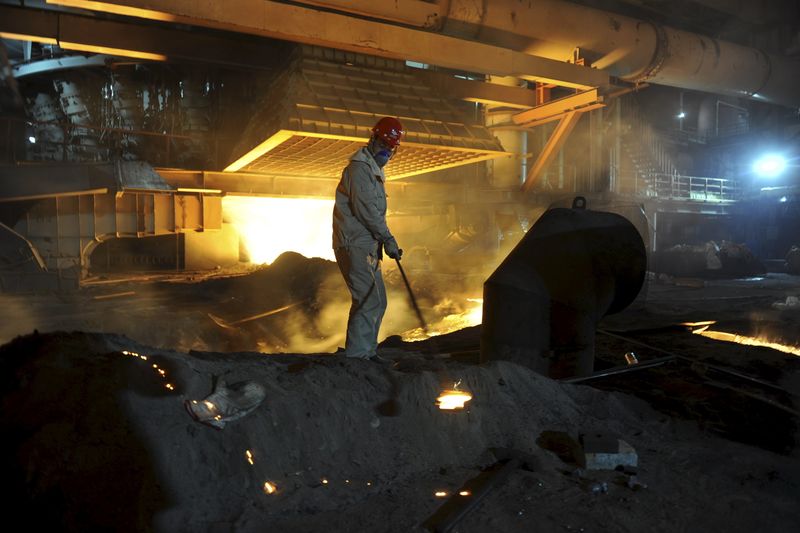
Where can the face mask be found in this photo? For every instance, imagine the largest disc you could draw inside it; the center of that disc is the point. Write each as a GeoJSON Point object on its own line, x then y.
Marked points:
{"type": "Point", "coordinates": [382, 157]}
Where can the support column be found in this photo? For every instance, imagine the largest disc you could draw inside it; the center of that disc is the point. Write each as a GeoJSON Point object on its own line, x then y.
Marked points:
{"type": "Point", "coordinates": [508, 172]}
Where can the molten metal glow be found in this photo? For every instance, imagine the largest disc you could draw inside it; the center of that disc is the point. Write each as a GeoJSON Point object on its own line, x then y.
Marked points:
{"type": "Point", "coordinates": [453, 322]}
{"type": "Point", "coordinates": [270, 226]}
{"type": "Point", "coordinates": [749, 341]}
{"type": "Point", "coordinates": [270, 488]}
{"type": "Point", "coordinates": [464, 493]}
{"type": "Point", "coordinates": [453, 399]}
{"type": "Point", "coordinates": [249, 457]}
{"type": "Point", "coordinates": [698, 324]}
{"type": "Point", "coordinates": [440, 494]}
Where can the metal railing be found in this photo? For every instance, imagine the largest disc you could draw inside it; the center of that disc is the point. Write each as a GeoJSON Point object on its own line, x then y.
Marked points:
{"type": "Point", "coordinates": [688, 188]}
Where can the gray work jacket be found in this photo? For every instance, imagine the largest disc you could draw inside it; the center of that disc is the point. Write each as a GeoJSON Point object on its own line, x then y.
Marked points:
{"type": "Point", "coordinates": [359, 214]}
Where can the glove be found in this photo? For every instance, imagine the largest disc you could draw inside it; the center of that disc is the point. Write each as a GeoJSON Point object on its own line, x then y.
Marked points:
{"type": "Point", "coordinates": [392, 250]}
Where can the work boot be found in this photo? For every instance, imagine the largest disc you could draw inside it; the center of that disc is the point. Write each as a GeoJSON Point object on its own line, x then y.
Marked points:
{"type": "Point", "coordinates": [380, 360]}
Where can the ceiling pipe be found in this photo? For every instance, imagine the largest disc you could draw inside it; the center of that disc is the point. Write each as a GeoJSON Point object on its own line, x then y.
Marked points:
{"type": "Point", "coordinates": [630, 49]}
{"type": "Point", "coordinates": [761, 12]}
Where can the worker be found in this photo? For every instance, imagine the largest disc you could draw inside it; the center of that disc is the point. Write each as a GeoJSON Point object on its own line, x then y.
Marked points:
{"type": "Point", "coordinates": [361, 236]}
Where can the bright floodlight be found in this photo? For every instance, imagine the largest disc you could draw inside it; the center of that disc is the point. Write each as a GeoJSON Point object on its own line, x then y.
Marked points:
{"type": "Point", "coordinates": [770, 165]}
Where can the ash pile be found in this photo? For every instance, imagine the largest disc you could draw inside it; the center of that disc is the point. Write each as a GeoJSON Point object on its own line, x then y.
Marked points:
{"type": "Point", "coordinates": [97, 436]}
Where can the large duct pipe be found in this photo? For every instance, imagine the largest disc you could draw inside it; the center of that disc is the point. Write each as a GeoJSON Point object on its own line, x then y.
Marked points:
{"type": "Point", "coordinates": [631, 49]}
{"type": "Point", "coordinates": [542, 304]}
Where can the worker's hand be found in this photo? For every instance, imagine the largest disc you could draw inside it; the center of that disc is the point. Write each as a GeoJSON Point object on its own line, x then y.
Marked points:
{"type": "Point", "coordinates": [392, 250]}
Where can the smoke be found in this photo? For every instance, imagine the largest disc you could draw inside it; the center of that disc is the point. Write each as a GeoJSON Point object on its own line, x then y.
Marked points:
{"type": "Point", "coordinates": [20, 318]}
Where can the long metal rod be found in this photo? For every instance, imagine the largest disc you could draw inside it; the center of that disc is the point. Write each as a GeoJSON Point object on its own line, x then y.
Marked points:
{"type": "Point", "coordinates": [617, 370]}
{"type": "Point", "coordinates": [412, 298]}
{"type": "Point", "coordinates": [225, 324]}
{"type": "Point", "coordinates": [451, 519]}
{"type": "Point", "coordinates": [695, 360]}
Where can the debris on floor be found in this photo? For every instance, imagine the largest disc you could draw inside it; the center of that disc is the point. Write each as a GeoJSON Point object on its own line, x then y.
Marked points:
{"type": "Point", "coordinates": [227, 403]}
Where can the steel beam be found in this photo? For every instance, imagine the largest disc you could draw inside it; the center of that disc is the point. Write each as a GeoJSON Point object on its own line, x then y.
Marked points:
{"type": "Point", "coordinates": [555, 109]}
{"type": "Point", "coordinates": [478, 91]}
{"type": "Point", "coordinates": [551, 149]}
{"type": "Point", "coordinates": [312, 26]}
{"type": "Point", "coordinates": [127, 39]}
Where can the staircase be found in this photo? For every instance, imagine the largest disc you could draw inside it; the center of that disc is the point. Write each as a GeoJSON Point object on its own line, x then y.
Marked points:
{"type": "Point", "coordinates": [654, 171]}
{"type": "Point", "coordinates": [648, 168]}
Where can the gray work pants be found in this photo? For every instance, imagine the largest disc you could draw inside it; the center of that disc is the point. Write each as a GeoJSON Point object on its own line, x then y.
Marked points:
{"type": "Point", "coordinates": [362, 273]}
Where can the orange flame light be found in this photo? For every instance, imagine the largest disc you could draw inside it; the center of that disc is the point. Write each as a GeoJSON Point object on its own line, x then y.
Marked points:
{"type": "Point", "coordinates": [743, 339]}
{"type": "Point", "coordinates": [270, 226]}
{"type": "Point", "coordinates": [453, 322]}
{"type": "Point", "coordinates": [270, 487]}
{"type": "Point", "coordinates": [453, 399]}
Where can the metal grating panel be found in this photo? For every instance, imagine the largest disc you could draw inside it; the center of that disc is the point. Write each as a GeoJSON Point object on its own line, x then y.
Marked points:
{"type": "Point", "coordinates": [318, 113]}
{"type": "Point", "coordinates": [324, 157]}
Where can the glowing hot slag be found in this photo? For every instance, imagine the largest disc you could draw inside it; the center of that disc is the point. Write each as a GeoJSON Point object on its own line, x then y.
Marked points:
{"type": "Point", "coordinates": [472, 316]}
{"type": "Point", "coordinates": [746, 340]}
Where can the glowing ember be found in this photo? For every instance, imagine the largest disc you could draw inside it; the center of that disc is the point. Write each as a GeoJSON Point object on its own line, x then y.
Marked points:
{"type": "Point", "coordinates": [464, 493]}
{"type": "Point", "coordinates": [134, 354]}
{"type": "Point", "coordinates": [452, 322]}
{"type": "Point", "coordinates": [453, 399]}
{"type": "Point", "coordinates": [270, 488]}
{"type": "Point", "coordinates": [748, 341]}
{"type": "Point", "coordinates": [170, 386]}
{"type": "Point", "coordinates": [324, 481]}
{"type": "Point", "coordinates": [270, 226]}
{"type": "Point", "coordinates": [249, 457]}
{"type": "Point", "coordinates": [440, 494]}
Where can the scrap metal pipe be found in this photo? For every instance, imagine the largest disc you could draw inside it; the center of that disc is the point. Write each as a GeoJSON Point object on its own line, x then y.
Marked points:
{"type": "Point", "coordinates": [631, 49]}
{"type": "Point", "coordinates": [542, 305]}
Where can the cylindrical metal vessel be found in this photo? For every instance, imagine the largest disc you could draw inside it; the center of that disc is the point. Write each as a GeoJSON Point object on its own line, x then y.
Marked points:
{"type": "Point", "coordinates": [631, 49]}
{"type": "Point", "coordinates": [542, 304]}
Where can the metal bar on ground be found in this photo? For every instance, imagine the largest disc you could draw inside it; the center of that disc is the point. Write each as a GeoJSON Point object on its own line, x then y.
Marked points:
{"type": "Point", "coordinates": [225, 324]}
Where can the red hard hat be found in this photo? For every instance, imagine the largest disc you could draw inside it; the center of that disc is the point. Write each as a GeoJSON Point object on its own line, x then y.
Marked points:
{"type": "Point", "coordinates": [389, 130]}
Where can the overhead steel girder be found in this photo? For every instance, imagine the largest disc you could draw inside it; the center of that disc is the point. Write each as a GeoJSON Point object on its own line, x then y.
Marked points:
{"type": "Point", "coordinates": [402, 192]}
{"type": "Point", "coordinates": [311, 26]}
{"type": "Point", "coordinates": [555, 109]}
{"type": "Point", "coordinates": [567, 111]}
{"type": "Point", "coordinates": [149, 42]}
{"type": "Point", "coordinates": [554, 144]}
{"type": "Point", "coordinates": [479, 91]}
{"type": "Point", "coordinates": [630, 49]}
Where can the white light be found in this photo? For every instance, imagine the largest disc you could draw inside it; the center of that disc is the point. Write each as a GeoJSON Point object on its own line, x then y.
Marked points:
{"type": "Point", "coordinates": [769, 165]}
{"type": "Point", "coordinates": [32, 139]}
{"type": "Point", "coordinates": [783, 199]}
{"type": "Point", "coordinates": [681, 115]}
